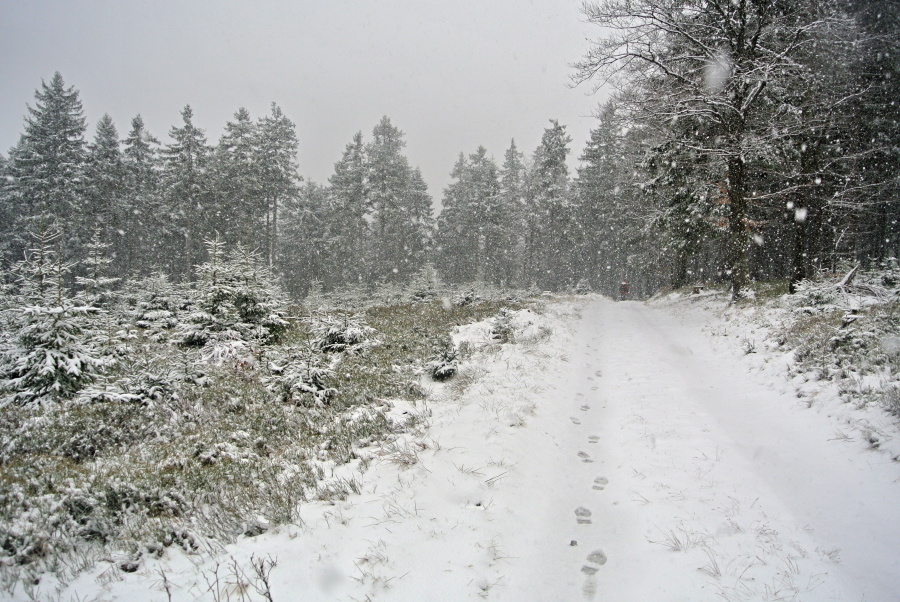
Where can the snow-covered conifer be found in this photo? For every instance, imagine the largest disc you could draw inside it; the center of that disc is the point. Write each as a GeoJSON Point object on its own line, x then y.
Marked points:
{"type": "Point", "coordinates": [188, 195]}
{"type": "Point", "coordinates": [46, 166]}
{"type": "Point", "coordinates": [236, 298]}
{"type": "Point", "coordinates": [50, 358]}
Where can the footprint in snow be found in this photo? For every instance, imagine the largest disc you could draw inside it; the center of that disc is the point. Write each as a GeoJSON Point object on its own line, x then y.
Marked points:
{"type": "Point", "coordinates": [596, 559]}
{"type": "Point", "coordinates": [582, 515]}
{"type": "Point", "coordinates": [593, 439]}
{"type": "Point", "coordinates": [585, 408]}
{"type": "Point", "coordinates": [574, 420]}
{"type": "Point", "coordinates": [598, 373]}
{"type": "Point", "coordinates": [594, 388]}
{"type": "Point", "coordinates": [585, 457]}
{"type": "Point", "coordinates": [600, 483]}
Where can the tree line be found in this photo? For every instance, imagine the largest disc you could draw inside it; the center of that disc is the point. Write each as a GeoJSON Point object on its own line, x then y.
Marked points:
{"type": "Point", "coordinates": [746, 139]}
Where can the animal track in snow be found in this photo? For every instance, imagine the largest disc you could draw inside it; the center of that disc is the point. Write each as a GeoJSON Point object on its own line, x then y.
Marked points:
{"type": "Point", "coordinates": [593, 439]}
{"type": "Point", "coordinates": [598, 373]}
{"type": "Point", "coordinates": [585, 457]}
{"type": "Point", "coordinates": [582, 515]}
{"type": "Point", "coordinates": [574, 420]}
{"type": "Point", "coordinates": [585, 408]}
{"type": "Point", "coordinates": [600, 483]}
{"type": "Point", "coordinates": [594, 388]}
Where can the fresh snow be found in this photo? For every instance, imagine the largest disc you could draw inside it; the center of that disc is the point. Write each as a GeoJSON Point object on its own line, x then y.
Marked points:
{"type": "Point", "coordinates": [614, 451]}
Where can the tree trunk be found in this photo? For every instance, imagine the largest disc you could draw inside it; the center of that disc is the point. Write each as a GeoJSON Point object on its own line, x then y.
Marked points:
{"type": "Point", "coordinates": [798, 269]}
{"type": "Point", "coordinates": [737, 227]}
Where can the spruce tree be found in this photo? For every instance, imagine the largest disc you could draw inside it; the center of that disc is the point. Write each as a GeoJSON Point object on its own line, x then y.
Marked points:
{"type": "Point", "coordinates": [469, 228]}
{"type": "Point", "coordinates": [47, 166]}
{"type": "Point", "coordinates": [401, 206]}
{"type": "Point", "coordinates": [105, 183]}
{"type": "Point", "coordinates": [279, 181]}
{"type": "Point", "coordinates": [349, 229]}
{"type": "Point", "coordinates": [512, 195]}
{"type": "Point", "coordinates": [188, 196]}
{"type": "Point", "coordinates": [550, 212]}
{"type": "Point", "coordinates": [418, 225]}
{"type": "Point", "coordinates": [240, 208]}
{"type": "Point", "coordinates": [305, 242]}
{"type": "Point", "coordinates": [146, 227]}
{"type": "Point", "coordinates": [51, 357]}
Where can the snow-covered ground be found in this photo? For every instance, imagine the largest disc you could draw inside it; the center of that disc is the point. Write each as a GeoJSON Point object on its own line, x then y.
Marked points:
{"type": "Point", "coordinates": [614, 451]}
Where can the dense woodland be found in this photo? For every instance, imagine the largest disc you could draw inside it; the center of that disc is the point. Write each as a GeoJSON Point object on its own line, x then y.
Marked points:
{"type": "Point", "coordinates": [744, 140]}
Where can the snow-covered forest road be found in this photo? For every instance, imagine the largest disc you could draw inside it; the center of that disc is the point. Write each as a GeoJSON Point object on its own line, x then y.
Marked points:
{"type": "Point", "coordinates": [702, 466]}
{"type": "Point", "coordinates": [615, 451]}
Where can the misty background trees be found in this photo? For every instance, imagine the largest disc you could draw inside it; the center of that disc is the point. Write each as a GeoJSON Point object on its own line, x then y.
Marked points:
{"type": "Point", "coordinates": [744, 140]}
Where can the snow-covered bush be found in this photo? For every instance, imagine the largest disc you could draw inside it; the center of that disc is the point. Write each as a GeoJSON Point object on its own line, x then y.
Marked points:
{"type": "Point", "coordinates": [348, 334]}
{"type": "Point", "coordinates": [467, 297]}
{"type": "Point", "coordinates": [299, 377]}
{"type": "Point", "coordinates": [845, 329]}
{"type": "Point", "coordinates": [502, 329]}
{"type": "Point", "coordinates": [177, 445]}
{"type": "Point", "coordinates": [425, 284]}
{"type": "Point", "coordinates": [583, 287]}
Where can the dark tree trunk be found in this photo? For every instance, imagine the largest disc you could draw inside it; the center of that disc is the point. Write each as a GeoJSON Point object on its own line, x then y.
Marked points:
{"type": "Point", "coordinates": [737, 226]}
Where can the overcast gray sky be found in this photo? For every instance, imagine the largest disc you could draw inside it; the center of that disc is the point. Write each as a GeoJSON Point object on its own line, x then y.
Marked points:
{"type": "Point", "coordinates": [452, 74]}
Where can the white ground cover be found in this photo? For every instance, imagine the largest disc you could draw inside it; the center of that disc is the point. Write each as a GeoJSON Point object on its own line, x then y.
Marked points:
{"type": "Point", "coordinates": [613, 451]}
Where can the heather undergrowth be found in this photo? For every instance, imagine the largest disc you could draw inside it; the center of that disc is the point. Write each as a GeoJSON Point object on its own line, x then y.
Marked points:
{"type": "Point", "coordinates": [194, 443]}
{"type": "Point", "coordinates": [844, 328]}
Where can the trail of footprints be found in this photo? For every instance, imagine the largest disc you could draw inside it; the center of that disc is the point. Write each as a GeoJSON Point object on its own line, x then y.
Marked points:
{"type": "Point", "coordinates": [597, 558]}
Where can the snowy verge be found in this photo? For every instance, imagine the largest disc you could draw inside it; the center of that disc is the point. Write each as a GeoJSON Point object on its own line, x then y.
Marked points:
{"type": "Point", "coordinates": [769, 335]}
{"type": "Point", "coordinates": [431, 511]}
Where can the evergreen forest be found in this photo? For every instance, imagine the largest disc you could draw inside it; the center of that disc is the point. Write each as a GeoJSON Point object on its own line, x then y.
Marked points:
{"type": "Point", "coordinates": [743, 141]}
